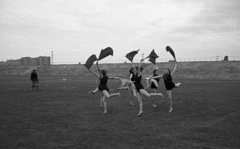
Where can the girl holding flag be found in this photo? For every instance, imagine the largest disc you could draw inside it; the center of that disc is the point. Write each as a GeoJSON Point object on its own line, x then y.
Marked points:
{"type": "Point", "coordinates": [169, 84]}
{"type": "Point", "coordinates": [167, 78]}
{"type": "Point", "coordinates": [103, 87]}
{"type": "Point", "coordinates": [140, 89]}
{"type": "Point", "coordinates": [130, 82]}
{"type": "Point", "coordinates": [102, 76]}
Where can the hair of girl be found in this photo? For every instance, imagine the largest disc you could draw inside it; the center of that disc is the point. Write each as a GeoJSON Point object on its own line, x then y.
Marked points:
{"type": "Point", "coordinates": [154, 71]}
{"type": "Point", "coordinates": [141, 68]}
{"type": "Point", "coordinates": [168, 71]}
{"type": "Point", "coordinates": [103, 72]}
{"type": "Point", "coordinates": [131, 69]}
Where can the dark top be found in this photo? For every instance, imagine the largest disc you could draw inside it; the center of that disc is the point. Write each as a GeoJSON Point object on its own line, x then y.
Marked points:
{"type": "Point", "coordinates": [157, 79]}
{"type": "Point", "coordinates": [168, 82]}
{"type": "Point", "coordinates": [103, 84]}
{"type": "Point", "coordinates": [133, 77]}
{"type": "Point", "coordinates": [137, 82]}
{"type": "Point", "coordinates": [153, 86]}
{"type": "Point", "coordinates": [34, 76]}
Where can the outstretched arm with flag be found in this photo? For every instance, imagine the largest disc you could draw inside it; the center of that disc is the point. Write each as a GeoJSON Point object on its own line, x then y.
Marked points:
{"type": "Point", "coordinates": [94, 73]}
{"type": "Point", "coordinates": [99, 71]}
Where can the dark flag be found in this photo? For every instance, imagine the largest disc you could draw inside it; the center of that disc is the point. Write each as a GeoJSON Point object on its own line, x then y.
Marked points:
{"type": "Point", "coordinates": [152, 60]}
{"type": "Point", "coordinates": [105, 52]}
{"type": "Point", "coordinates": [131, 55]}
{"type": "Point", "coordinates": [90, 61]}
{"type": "Point", "coordinates": [169, 49]}
{"type": "Point", "coordinates": [152, 57]}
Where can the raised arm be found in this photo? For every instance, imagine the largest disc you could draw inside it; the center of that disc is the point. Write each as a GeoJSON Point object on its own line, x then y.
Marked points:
{"type": "Point", "coordinates": [139, 72]}
{"type": "Point", "coordinates": [174, 69]}
{"type": "Point", "coordinates": [116, 78]}
{"type": "Point", "coordinates": [160, 76]}
{"type": "Point", "coordinates": [94, 73]}
{"type": "Point", "coordinates": [130, 76]}
{"type": "Point", "coordinates": [132, 65]}
{"type": "Point", "coordinates": [100, 75]}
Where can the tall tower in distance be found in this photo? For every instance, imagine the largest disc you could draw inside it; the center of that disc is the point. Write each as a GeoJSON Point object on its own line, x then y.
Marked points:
{"type": "Point", "coordinates": [142, 55]}
{"type": "Point", "coordinates": [52, 57]}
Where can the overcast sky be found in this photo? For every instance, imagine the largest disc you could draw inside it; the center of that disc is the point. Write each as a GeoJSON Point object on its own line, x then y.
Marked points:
{"type": "Point", "coordinates": [75, 29]}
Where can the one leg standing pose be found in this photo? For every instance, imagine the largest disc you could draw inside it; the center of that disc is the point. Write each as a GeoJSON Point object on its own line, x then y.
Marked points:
{"type": "Point", "coordinates": [154, 85]}
{"type": "Point", "coordinates": [95, 91]}
{"type": "Point", "coordinates": [169, 85]}
{"type": "Point", "coordinates": [140, 89]}
{"type": "Point", "coordinates": [167, 77]}
{"type": "Point", "coordinates": [103, 87]}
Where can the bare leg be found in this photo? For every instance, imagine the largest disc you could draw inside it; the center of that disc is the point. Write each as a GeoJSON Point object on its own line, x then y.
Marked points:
{"type": "Point", "coordinates": [153, 102]}
{"type": "Point", "coordinates": [101, 100]}
{"type": "Point", "coordinates": [123, 88]}
{"type": "Point", "coordinates": [130, 96]}
{"type": "Point", "coordinates": [107, 95]}
{"type": "Point", "coordinates": [169, 93]}
{"type": "Point", "coordinates": [145, 93]}
{"type": "Point", "coordinates": [94, 91]}
{"type": "Point", "coordinates": [123, 82]}
{"type": "Point", "coordinates": [104, 104]}
{"type": "Point", "coordinates": [140, 104]}
{"type": "Point", "coordinates": [134, 91]}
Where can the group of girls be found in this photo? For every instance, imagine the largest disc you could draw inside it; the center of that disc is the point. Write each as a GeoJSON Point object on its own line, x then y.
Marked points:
{"type": "Point", "coordinates": [135, 86]}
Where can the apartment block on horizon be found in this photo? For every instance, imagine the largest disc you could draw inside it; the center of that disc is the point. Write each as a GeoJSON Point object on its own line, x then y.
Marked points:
{"type": "Point", "coordinates": [28, 61]}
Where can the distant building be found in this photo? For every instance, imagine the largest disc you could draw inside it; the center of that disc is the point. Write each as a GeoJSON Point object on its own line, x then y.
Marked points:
{"type": "Point", "coordinates": [28, 61]}
{"type": "Point", "coordinates": [44, 60]}
{"type": "Point", "coordinates": [25, 61]}
{"type": "Point", "coordinates": [35, 61]}
{"type": "Point", "coordinates": [12, 62]}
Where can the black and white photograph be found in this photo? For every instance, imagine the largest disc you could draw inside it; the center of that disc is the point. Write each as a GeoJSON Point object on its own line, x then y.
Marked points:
{"type": "Point", "coordinates": [119, 74]}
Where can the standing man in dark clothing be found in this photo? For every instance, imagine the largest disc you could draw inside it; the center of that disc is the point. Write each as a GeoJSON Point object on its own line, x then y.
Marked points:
{"type": "Point", "coordinates": [34, 79]}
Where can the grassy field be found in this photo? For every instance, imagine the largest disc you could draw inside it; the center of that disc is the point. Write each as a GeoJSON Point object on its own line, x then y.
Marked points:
{"type": "Point", "coordinates": [63, 115]}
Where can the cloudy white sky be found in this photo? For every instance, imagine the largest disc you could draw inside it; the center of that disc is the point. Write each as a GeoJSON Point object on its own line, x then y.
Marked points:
{"type": "Point", "coordinates": [75, 29]}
